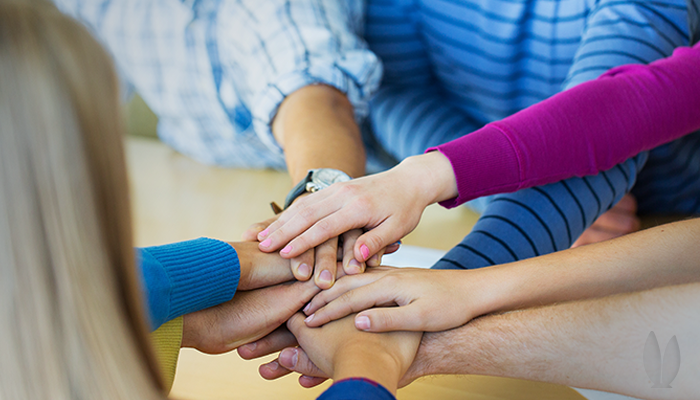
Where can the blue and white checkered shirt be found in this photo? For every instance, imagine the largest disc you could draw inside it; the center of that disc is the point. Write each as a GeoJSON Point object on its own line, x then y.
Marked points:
{"type": "Point", "coordinates": [215, 71]}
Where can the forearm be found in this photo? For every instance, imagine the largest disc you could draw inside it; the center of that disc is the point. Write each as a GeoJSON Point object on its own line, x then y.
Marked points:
{"type": "Point", "coordinates": [316, 128]}
{"type": "Point", "coordinates": [184, 277]}
{"type": "Point", "coordinates": [597, 344]}
{"type": "Point", "coordinates": [665, 255]}
{"type": "Point", "coordinates": [627, 110]}
{"type": "Point", "coordinates": [370, 363]}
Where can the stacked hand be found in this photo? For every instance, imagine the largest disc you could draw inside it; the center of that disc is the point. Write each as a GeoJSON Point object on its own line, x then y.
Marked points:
{"type": "Point", "coordinates": [265, 299]}
{"type": "Point", "coordinates": [409, 299]}
{"type": "Point", "coordinates": [320, 260]}
{"type": "Point", "coordinates": [337, 351]}
{"type": "Point", "coordinates": [387, 206]}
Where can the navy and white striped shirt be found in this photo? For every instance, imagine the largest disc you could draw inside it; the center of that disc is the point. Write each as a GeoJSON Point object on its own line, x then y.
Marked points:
{"type": "Point", "coordinates": [452, 66]}
{"type": "Point", "coordinates": [215, 71]}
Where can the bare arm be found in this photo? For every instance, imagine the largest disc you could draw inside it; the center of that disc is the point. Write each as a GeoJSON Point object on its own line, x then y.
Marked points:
{"type": "Point", "coordinates": [660, 256]}
{"type": "Point", "coordinates": [596, 344]}
{"type": "Point", "coordinates": [316, 128]}
{"type": "Point", "coordinates": [434, 300]}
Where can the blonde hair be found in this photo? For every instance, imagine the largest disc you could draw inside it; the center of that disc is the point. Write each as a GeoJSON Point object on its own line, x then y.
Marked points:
{"type": "Point", "coordinates": [71, 323]}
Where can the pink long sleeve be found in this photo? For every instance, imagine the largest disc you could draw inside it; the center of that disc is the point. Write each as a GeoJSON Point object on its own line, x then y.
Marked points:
{"type": "Point", "coordinates": [582, 131]}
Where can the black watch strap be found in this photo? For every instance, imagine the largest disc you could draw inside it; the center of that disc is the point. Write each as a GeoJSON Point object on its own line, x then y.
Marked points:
{"type": "Point", "coordinates": [297, 190]}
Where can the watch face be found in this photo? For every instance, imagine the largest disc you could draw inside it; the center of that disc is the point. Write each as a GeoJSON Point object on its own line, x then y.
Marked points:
{"type": "Point", "coordinates": [324, 177]}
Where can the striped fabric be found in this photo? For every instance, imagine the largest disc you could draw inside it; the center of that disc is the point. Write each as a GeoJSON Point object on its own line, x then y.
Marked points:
{"type": "Point", "coordinates": [453, 65]}
{"type": "Point", "coordinates": [215, 71]}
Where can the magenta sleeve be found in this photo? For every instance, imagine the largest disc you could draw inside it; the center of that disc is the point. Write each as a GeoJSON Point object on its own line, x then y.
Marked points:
{"type": "Point", "coordinates": [582, 131]}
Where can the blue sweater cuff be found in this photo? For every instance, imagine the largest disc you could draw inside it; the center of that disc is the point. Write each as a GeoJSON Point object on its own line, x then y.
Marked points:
{"type": "Point", "coordinates": [185, 277]}
{"type": "Point", "coordinates": [356, 389]}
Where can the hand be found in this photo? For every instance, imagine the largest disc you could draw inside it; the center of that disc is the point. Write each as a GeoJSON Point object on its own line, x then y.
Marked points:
{"type": "Point", "coordinates": [428, 359]}
{"type": "Point", "coordinates": [427, 300]}
{"type": "Point", "coordinates": [620, 220]}
{"type": "Point", "coordinates": [260, 269]}
{"type": "Point", "coordinates": [248, 317]}
{"type": "Point", "coordinates": [322, 260]}
{"type": "Point", "coordinates": [275, 342]}
{"type": "Point", "coordinates": [388, 205]}
{"type": "Point", "coordinates": [340, 351]}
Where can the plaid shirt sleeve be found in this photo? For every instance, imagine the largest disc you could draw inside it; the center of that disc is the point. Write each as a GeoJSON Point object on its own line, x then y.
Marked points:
{"type": "Point", "coordinates": [215, 71]}
{"type": "Point", "coordinates": [280, 46]}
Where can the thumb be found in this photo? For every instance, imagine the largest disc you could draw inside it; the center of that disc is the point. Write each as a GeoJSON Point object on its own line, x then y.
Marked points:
{"type": "Point", "coordinates": [390, 319]}
{"type": "Point", "coordinates": [291, 297]}
{"type": "Point", "coordinates": [296, 359]}
{"type": "Point", "coordinates": [296, 322]}
{"type": "Point", "coordinates": [372, 241]}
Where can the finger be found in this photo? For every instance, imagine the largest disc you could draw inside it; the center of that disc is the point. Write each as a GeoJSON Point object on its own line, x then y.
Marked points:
{"type": "Point", "coordinates": [295, 324]}
{"type": "Point", "coordinates": [350, 265]}
{"type": "Point", "coordinates": [310, 381]}
{"type": "Point", "coordinates": [376, 260]}
{"type": "Point", "coordinates": [341, 286]}
{"type": "Point", "coordinates": [251, 234]}
{"type": "Point", "coordinates": [280, 219]}
{"type": "Point", "coordinates": [339, 271]}
{"type": "Point", "coordinates": [295, 359]}
{"type": "Point", "coordinates": [302, 265]}
{"type": "Point", "coordinates": [272, 370]}
{"type": "Point", "coordinates": [372, 241]}
{"type": "Point", "coordinates": [258, 269]}
{"type": "Point", "coordinates": [393, 248]}
{"type": "Point", "coordinates": [279, 339]}
{"type": "Point", "coordinates": [362, 298]}
{"type": "Point", "coordinates": [253, 315]}
{"type": "Point", "coordinates": [304, 236]}
{"type": "Point", "coordinates": [326, 263]}
{"type": "Point", "coordinates": [407, 318]}
{"type": "Point", "coordinates": [299, 217]}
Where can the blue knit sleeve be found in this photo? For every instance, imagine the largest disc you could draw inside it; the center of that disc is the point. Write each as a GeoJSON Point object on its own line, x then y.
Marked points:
{"type": "Point", "coordinates": [356, 389]}
{"type": "Point", "coordinates": [189, 276]}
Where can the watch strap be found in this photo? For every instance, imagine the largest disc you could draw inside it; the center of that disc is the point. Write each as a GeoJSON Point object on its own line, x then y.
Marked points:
{"type": "Point", "coordinates": [298, 189]}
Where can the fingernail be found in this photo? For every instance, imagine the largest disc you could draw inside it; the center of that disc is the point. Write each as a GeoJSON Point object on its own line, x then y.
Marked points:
{"type": "Point", "coordinates": [309, 318]}
{"type": "Point", "coordinates": [289, 357]}
{"type": "Point", "coordinates": [396, 243]}
{"type": "Point", "coordinates": [264, 233]}
{"type": "Point", "coordinates": [251, 346]}
{"type": "Point", "coordinates": [325, 276]}
{"type": "Point", "coordinates": [306, 309]}
{"type": "Point", "coordinates": [365, 251]}
{"type": "Point", "coordinates": [362, 323]}
{"type": "Point", "coordinates": [266, 243]}
{"type": "Point", "coordinates": [375, 261]}
{"type": "Point", "coordinates": [273, 365]}
{"type": "Point", "coordinates": [304, 270]}
{"type": "Point", "coordinates": [286, 250]}
{"type": "Point", "coordinates": [354, 267]}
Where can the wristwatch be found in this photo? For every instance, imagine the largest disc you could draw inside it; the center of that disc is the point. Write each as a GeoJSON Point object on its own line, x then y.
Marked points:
{"type": "Point", "coordinates": [314, 181]}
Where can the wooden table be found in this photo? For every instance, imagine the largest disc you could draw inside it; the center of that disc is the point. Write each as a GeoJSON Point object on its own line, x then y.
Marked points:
{"type": "Point", "coordinates": [175, 198]}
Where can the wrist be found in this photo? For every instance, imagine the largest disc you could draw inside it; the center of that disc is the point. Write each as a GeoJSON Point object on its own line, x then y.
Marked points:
{"type": "Point", "coordinates": [460, 351]}
{"type": "Point", "coordinates": [432, 174]}
{"type": "Point", "coordinates": [493, 289]}
{"type": "Point", "coordinates": [367, 361]}
{"type": "Point", "coordinates": [190, 330]}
